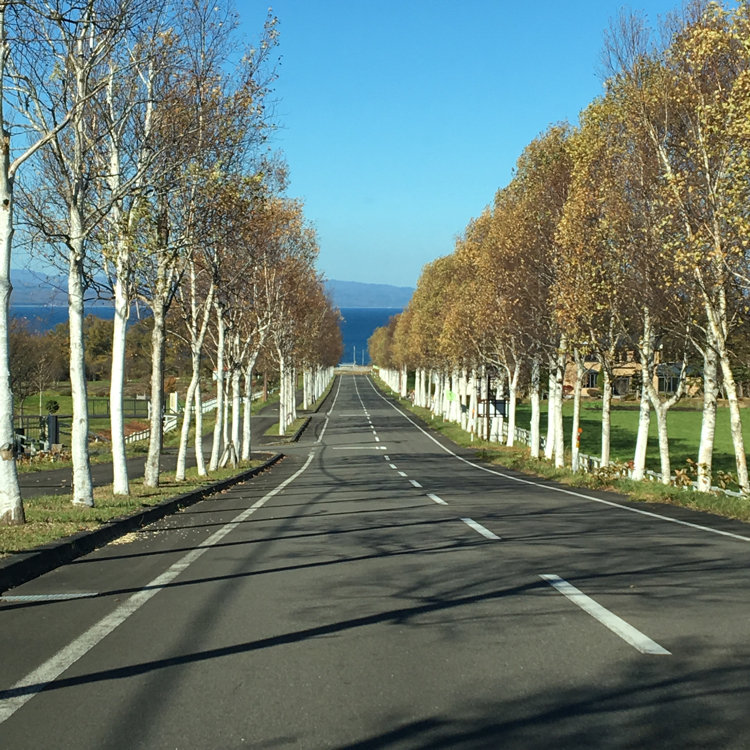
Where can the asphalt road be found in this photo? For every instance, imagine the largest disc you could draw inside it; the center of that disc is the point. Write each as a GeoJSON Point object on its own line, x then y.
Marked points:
{"type": "Point", "coordinates": [376, 590]}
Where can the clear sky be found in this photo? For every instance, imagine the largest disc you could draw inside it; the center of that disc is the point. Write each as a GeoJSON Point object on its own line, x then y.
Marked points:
{"type": "Point", "coordinates": [401, 118]}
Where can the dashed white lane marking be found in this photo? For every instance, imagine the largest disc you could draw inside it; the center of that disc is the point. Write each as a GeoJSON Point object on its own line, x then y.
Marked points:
{"type": "Point", "coordinates": [616, 624]}
{"type": "Point", "coordinates": [387, 458]}
{"type": "Point", "coordinates": [26, 688]}
{"type": "Point", "coordinates": [486, 533]}
{"type": "Point", "coordinates": [393, 466]}
{"type": "Point", "coordinates": [359, 448]}
{"type": "Point", "coordinates": [415, 483]}
{"type": "Point", "coordinates": [377, 439]}
{"type": "Point", "coordinates": [562, 490]}
{"type": "Point", "coordinates": [436, 499]}
{"type": "Point", "coordinates": [47, 597]}
{"type": "Point", "coordinates": [402, 473]}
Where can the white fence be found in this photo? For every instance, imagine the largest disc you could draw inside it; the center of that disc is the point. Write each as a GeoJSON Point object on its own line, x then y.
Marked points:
{"type": "Point", "coordinates": [171, 421]}
{"type": "Point", "coordinates": [589, 464]}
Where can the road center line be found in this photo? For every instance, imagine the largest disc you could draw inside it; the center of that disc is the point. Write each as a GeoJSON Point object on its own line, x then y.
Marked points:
{"type": "Point", "coordinates": [610, 620]}
{"type": "Point", "coordinates": [562, 490]}
{"type": "Point", "coordinates": [359, 448]}
{"type": "Point", "coordinates": [480, 529]}
{"type": "Point", "coordinates": [25, 689]}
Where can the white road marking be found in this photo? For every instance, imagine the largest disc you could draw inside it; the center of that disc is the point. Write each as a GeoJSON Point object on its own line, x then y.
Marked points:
{"type": "Point", "coordinates": [393, 466]}
{"type": "Point", "coordinates": [359, 448]}
{"type": "Point", "coordinates": [328, 416]}
{"type": "Point", "coordinates": [25, 689]}
{"type": "Point", "coordinates": [436, 499]}
{"type": "Point", "coordinates": [377, 439]}
{"type": "Point", "coordinates": [47, 597]}
{"type": "Point", "coordinates": [387, 458]}
{"type": "Point", "coordinates": [610, 620]}
{"type": "Point", "coordinates": [480, 529]}
{"type": "Point", "coordinates": [562, 490]}
{"type": "Point", "coordinates": [402, 473]}
{"type": "Point", "coordinates": [415, 483]}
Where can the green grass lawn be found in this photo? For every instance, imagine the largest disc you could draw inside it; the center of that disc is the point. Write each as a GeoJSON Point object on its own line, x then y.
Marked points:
{"type": "Point", "coordinates": [683, 422]}
{"type": "Point", "coordinates": [51, 517]}
{"type": "Point", "coordinates": [684, 426]}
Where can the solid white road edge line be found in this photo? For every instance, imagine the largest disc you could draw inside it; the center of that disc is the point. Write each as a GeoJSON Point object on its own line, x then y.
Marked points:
{"type": "Point", "coordinates": [25, 689]}
{"type": "Point", "coordinates": [612, 504]}
{"type": "Point", "coordinates": [616, 624]}
{"type": "Point", "coordinates": [436, 499]}
{"type": "Point", "coordinates": [480, 529]}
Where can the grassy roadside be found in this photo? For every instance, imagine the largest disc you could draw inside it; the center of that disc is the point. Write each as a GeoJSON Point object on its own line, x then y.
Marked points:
{"type": "Point", "coordinates": [50, 517]}
{"type": "Point", "coordinates": [518, 459]}
{"type": "Point", "coordinates": [100, 450]}
{"type": "Point", "coordinates": [273, 430]}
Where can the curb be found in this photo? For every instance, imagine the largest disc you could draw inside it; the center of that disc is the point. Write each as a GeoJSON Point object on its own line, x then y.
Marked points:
{"type": "Point", "coordinates": [293, 438]}
{"type": "Point", "coordinates": [23, 566]}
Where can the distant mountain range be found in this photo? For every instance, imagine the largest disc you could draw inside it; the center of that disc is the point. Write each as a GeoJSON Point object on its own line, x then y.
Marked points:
{"type": "Point", "coordinates": [358, 294]}
{"type": "Point", "coordinates": [37, 288]}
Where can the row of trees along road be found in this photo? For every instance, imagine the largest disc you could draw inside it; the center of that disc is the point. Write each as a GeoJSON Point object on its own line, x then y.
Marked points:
{"type": "Point", "coordinates": [135, 146]}
{"type": "Point", "coordinates": [629, 232]}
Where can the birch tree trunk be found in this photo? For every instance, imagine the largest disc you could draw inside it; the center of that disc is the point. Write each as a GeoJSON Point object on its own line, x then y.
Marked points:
{"type": "Point", "coordinates": [282, 395]}
{"type": "Point", "coordinates": [196, 346]}
{"type": "Point", "coordinates": [513, 378]}
{"type": "Point", "coordinates": [200, 463]}
{"type": "Point", "coordinates": [577, 387]}
{"type": "Point", "coordinates": [236, 408]}
{"type": "Point", "coordinates": [153, 461]}
{"type": "Point", "coordinates": [641, 441]}
{"type": "Point", "coordinates": [120, 484]}
{"type": "Point", "coordinates": [606, 415]}
{"type": "Point", "coordinates": [293, 394]}
{"type": "Point", "coordinates": [646, 350]}
{"type": "Point", "coordinates": [708, 420]}
{"type": "Point", "coordinates": [562, 355]}
{"type": "Point", "coordinates": [735, 419]}
{"type": "Point", "coordinates": [549, 446]}
{"type": "Point", "coordinates": [536, 410]}
{"type": "Point", "coordinates": [216, 444]}
{"type": "Point", "coordinates": [83, 491]}
{"type": "Point", "coordinates": [11, 504]}
{"type": "Point", "coordinates": [187, 418]}
{"type": "Point", "coordinates": [246, 420]}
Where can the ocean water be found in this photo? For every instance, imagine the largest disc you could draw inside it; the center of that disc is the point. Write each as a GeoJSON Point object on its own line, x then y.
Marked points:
{"type": "Point", "coordinates": [43, 318]}
{"type": "Point", "coordinates": [357, 326]}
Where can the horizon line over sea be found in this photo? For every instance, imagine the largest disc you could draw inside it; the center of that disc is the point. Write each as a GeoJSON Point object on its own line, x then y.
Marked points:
{"type": "Point", "coordinates": [356, 327]}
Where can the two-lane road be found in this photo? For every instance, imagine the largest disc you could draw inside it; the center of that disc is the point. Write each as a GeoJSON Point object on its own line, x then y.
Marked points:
{"type": "Point", "coordinates": [377, 589]}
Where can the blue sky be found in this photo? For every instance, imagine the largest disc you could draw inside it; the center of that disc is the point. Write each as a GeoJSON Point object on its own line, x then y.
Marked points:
{"type": "Point", "coordinates": [401, 118]}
